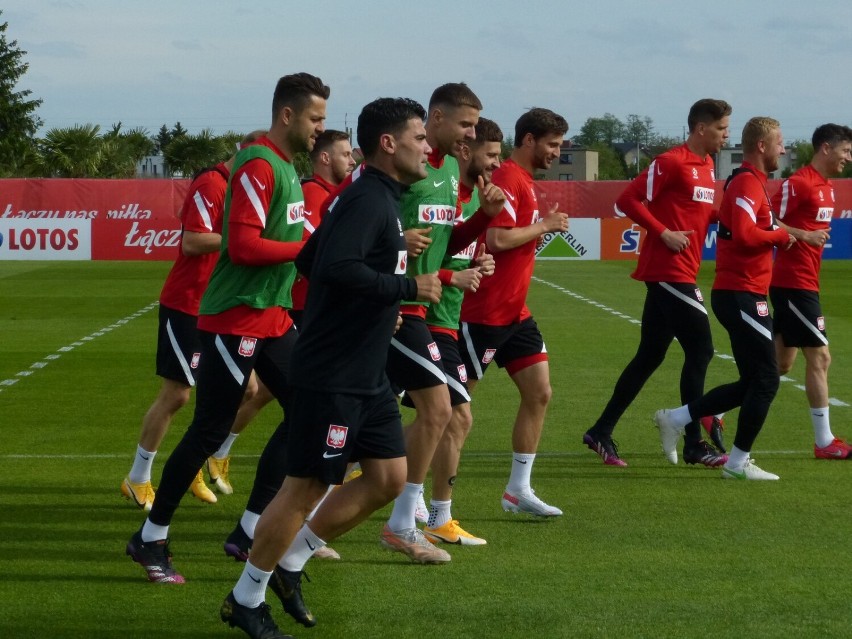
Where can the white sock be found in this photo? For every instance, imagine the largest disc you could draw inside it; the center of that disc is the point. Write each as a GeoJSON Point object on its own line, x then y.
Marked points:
{"type": "Point", "coordinates": [402, 515]}
{"type": "Point", "coordinates": [680, 416]}
{"type": "Point", "coordinates": [251, 586]}
{"type": "Point", "coordinates": [519, 479]}
{"type": "Point", "coordinates": [304, 545]}
{"type": "Point", "coordinates": [249, 522]}
{"type": "Point", "coordinates": [153, 532]}
{"type": "Point", "coordinates": [822, 428]}
{"type": "Point", "coordinates": [140, 472]}
{"type": "Point", "coordinates": [316, 508]}
{"type": "Point", "coordinates": [737, 459]}
{"type": "Point", "coordinates": [225, 448]}
{"type": "Point", "coordinates": [439, 513]}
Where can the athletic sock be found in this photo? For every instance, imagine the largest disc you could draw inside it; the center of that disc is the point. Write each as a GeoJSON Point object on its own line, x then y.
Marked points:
{"type": "Point", "coordinates": [140, 472]}
{"type": "Point", "coordinates": [402, 515]}
{"type": "Point", "coordinates": [249, 522]}
{"type": "Point", "coordinates": [681, 416]}
{"type": "Point", "coordinates": [251, 586]}
{"type": "Point", "coordinates": [305, 543]}
{"type": "Point", "coordinates": [737, 459]}
{"type": "Point", "coordinates": [519, 479]}
{"type": "Point", "coordinates": [822, 427]}
{"type": "Point", "coordinates": [316, 508]}
{"type": "Point", "coordinates": [439, 513]}
{"type": "Point", "coordinates": [225, 448]}
{"type": "Point", "coordinates": [153, 532]}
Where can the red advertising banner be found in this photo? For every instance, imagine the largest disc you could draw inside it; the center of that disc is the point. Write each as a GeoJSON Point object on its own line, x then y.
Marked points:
{"type": "Point", "coordinates": [136, 219]}
{"type": "Point", "coordinates": [91, 199]}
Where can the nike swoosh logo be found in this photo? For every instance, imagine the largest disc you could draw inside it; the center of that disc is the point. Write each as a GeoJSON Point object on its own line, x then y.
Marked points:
{"type": "Point", "coordinates": [836, 453]}
{"type": "Point", "coordinates": [510, 196]}
{"type": "Point", "coordinates": [147, 458]}
{"type": "Point", "coordinates": [749, 200]}
{"type": "Point", "coordinates": [257, 581]}
{"type": "Point", "coordinates": [262, 187]}
{"type": "Point", "coordinates": [793, 191]}
{"type": "Point", "coordinates": [437, 184]}
{"type": "Point", "coordinates": [659, 170]}
{"type": "Point", "coordinates": [819, 414]}
{"type": "Point", "coordinates": [293, 180]}
{"type": "Point", "coordinates": [327, 456]}
{"type": "Point", "coordinates": [520, 462]}
{"type": "Point", "coordinates": [207, 202]}
{"type": "Point", "coordinates": [313, 548]}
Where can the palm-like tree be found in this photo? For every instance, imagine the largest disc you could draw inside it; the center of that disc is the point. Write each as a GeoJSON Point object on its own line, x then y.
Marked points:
{"type": "Point", "coordinates": [72, 152]}
{"type": "Point", "coordinates": [187, 154]}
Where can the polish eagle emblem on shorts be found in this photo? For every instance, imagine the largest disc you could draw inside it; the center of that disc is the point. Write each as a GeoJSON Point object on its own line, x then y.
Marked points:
{"type": "Point", "coordinates": [336, 437]}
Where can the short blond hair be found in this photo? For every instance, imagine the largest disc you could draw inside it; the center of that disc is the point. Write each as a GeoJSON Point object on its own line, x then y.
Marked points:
{"type": "Point", "coordinates": [758, 129]}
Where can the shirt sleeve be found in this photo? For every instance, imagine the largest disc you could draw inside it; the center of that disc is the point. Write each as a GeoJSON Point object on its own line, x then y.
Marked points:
{"type": "Point", "coordinates": [644, 188]}
{"type": "Point", "coordinates": [204, 203]}
{"type": "Point", "coordinates": [251, 193]}
{"type": "Point", "coordinates": [748, 199]}
{"type": "Point", "coordinates": [350, 235]}
{"type": "Point", "coordinates": [507, 218]}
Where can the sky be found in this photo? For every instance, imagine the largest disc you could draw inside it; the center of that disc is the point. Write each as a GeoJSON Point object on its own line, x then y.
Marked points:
{"type": "Point", "coordinates": [214, 64]}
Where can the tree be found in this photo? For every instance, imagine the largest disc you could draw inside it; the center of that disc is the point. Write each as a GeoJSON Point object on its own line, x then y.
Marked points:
{"type": "Point", "coordinates": [506, 147]}
{"type": "Point", "coordinates": [72, 152]}
{"type": "Point", "coordinates": [607, 129]}
{"type": "Point", "coordinates": [18, 121]}
{"type": "Point", "coordinates": [610, 162]}
{"type": "Point", "coordinates": [186, 154]}
{"type": "Point", "coordinates": [162, 138]}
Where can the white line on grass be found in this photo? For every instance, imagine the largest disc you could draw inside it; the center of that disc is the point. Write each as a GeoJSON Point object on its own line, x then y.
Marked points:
{"type": "Point", "coordinates": [36, 366]}
{"type": "Point", "coordinates": [831, 400]}
{"type": "Point", "coordinates": [477, 454]}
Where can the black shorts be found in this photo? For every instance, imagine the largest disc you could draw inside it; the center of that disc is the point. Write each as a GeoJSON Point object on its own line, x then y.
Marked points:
{"type": "Point", "coordinates": [746, 318]}
{"type": "Point", "coordinates": [513, 347]}
{"type": "Point", "coordinates": [414, 359]}
{"type": "Point", "coordinates": [325, 431]}
{"type": "Point", "coordinates": [178, 346]}
{"type": "Point", "coordinates": [798, 317]}
{"type": "Point", "coordinates": [454, 369]}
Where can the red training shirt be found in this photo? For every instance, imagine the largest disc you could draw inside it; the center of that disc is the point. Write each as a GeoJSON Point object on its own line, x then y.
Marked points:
{"type": "Point", "coordinates": [315, 190]}
{"type": "Point", "coordinates": [676, 193]}
{"type": "Point", "coordinates": [804, 201]}
{"type": "Point", "coordinates": [744, 262]}
{"type": "Point", "coordinates": [201, 212]}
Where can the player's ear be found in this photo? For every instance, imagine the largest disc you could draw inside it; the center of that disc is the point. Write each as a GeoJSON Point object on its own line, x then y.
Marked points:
{"type": "Point", "coordinates": [387, 143]}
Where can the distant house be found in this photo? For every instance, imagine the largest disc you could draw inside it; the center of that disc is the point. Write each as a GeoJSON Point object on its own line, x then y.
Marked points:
{"type": "Point", "coordinates": [731, 158]}
{"type": "Point", "coordinates": [574, 163]}
{"type": "Point", "coordinates": [152, 166]}
{"type": "Point", "coordinates": [630, 150]}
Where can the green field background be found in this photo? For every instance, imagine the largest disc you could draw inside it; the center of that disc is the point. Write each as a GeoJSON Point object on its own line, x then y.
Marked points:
{"type": "Point", "coordinates": [650, 550]}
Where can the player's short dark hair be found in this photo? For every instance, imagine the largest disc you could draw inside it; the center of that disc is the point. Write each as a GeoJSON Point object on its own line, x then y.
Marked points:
{"type": "Point", "coordinates": [296, 90]}
{"type": "Point", "coordinates": [834, 134]}
{"type": "Point", "coordinates": [488, 131]}
{"type": "Point", "coordinates": [539, 122]}
{"type": "Point", "coordinates": [325, 140]}
{"type": "Point", "coordinates": [385, 115]}
{"type": "Point", "coordinates": [707, 110]}
{"type": "Point", "coordinates": [454, 94]}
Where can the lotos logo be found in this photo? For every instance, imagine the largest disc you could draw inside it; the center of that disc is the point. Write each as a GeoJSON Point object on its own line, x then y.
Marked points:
{"type": "Point", "coordinates": [247, 345]}
{"type": "Point", "coordinates": [436, 214]}
{"type": "Point", "coordinates": [702, 194]}
{"type": "Point", "coordinates": [295, 213]}
{"type": "Point", "coordinates": [42, 239]}
{"type": "Point", "coordinates": [401, 263]}
{"type": "Point", "coordinates": [336, 437]}
{"type": "Point", "coordinates": [630, 240]}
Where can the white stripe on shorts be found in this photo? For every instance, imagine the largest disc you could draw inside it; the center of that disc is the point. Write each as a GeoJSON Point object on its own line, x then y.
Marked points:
{"type": "Point", "coordinates": [418, 359]}
{"type": "Point", "coordinates": [179, 354]}
{"type": "Point", "coordinates": [760, 328]}
{"type": "Point", "coordinates": [813, 329]}
{"type": "Point", "coordinates": [684, 298]}
{"type": "Point", "coordinates": [477, 369]}
{"type": "Point", "coordinates": [229, 361]}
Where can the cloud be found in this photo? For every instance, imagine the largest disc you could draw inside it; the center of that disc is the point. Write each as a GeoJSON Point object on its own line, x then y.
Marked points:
{"type": "Point", "coordinates": [187, 45]}
{"type": "Point", "coordinates": [58, 49]}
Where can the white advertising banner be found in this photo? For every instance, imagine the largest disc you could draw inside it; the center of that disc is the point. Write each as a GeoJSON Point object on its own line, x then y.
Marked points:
{"type": "Point", "coordinates": [45, 239]}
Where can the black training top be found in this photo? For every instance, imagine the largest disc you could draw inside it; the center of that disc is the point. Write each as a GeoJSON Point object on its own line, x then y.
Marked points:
{"type": "Point", "coordinates": [355, 263]}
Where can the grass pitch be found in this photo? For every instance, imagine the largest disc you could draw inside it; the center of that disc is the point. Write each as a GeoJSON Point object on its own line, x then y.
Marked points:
{"type": "Point", "coordinates": [650, 550]}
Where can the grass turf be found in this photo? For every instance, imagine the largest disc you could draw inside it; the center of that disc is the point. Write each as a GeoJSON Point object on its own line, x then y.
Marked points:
{"type": "Point", "coordinates": [650, 550]}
